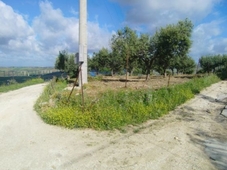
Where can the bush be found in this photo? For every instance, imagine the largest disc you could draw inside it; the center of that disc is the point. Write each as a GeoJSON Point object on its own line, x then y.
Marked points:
{"type": "Point", "coordinates": [115, 109]}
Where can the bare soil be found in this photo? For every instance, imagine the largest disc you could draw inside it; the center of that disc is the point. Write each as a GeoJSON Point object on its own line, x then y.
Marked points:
{"type": "Point", "coordinates": [179, 140]}
{"type": "Point", "coordinates": [95, 87]}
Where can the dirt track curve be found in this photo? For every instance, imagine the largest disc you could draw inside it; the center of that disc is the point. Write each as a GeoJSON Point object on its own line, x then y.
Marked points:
{"type": "Point", "coordinates": [184, 139]}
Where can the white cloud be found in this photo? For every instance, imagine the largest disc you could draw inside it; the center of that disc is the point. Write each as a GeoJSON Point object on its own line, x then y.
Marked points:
{"type": "Point", "coordinates": [98, 37]}
{"type": "Point", "coordinates": [12, 30]}
{"type": "Point", "coordinates": [157, 13]}
{"type": "Point", "coordinates": [207, 39]}
{"type": "Point", "coordinates": [54, 31]}
{"type": "Point", "coordinates": [49, 33]}
{"type": "Point", "coordinates": [17, 38]}
{"type": "Point", "coordinates": [57, 32]}
{"type": "Point", "coordinates": [149, 15]}
{"type": "Point", "coordinates": [12, 24]}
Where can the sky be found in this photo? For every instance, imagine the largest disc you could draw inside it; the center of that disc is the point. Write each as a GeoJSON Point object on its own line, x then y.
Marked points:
{"type": "Point", "coordinates": [32, 32]}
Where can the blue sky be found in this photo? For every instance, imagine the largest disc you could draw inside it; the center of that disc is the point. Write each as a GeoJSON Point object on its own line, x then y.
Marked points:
{"type": "Point", "coordinates": [32, 32]}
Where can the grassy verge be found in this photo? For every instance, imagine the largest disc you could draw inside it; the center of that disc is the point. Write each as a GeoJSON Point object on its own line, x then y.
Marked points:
{"type": "Point", "coordinates": [114, 109]}
{"type": "Point", "coordinates": [13, 85]}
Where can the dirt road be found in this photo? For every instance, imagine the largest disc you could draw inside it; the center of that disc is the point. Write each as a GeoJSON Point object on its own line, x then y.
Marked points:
{"type": "Point", "coordinates": [194, 136]}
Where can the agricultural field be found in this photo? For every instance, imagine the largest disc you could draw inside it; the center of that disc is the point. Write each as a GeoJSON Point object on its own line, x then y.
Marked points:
{"type": "Point", "coordinates": [134, 83]}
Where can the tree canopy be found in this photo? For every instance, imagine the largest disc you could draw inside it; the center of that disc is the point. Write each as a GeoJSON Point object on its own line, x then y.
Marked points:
{"type": "Point", "coordinates": [65, 62]}
{"type": "Point", "coordinates": [124, 47]}
{"type": "Point", "coordinates": [167, 48]}
{"type": "Point", "coordinates": [131, 50]}
{"type": "Point", "coordinates": [61, 60]}
{"type": "Point", "coordinates": [213, 63]}
{"type": "Point", "coordinates": [172, 42]}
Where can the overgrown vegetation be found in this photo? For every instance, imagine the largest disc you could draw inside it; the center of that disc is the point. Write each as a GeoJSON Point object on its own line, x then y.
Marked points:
{"type": "Point", "coordinates": [12, 84]}
{"type": "Point", "coordinates": [114, 109]}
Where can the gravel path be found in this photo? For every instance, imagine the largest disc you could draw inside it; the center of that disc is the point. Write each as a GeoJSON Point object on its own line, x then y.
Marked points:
{"type": "Point", "coordinates": [184, 139]}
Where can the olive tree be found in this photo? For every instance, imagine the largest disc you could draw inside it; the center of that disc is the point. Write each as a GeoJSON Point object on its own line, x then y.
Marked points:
{"type": "Point", "coordinates": [172, 42]}
{"type": "Point", "coordinates": [124, 47]}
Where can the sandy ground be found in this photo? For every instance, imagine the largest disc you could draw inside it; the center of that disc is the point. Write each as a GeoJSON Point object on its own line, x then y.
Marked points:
{"type": "Point", "coordinates": [190, 137]}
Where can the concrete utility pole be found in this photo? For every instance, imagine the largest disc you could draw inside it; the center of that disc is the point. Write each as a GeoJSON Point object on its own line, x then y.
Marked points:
{"type": "Point", "coordinates": [83, 39]}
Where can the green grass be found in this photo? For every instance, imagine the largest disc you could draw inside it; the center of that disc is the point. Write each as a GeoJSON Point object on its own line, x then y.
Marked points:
{"type": "Point", "coordinates": [115, 109]}
{"type": "Point", "coordinates": [13, 85]}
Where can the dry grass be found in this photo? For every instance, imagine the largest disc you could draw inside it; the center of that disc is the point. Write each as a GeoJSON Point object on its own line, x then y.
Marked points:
{"type": "Point", "coordinates": [94, 88]}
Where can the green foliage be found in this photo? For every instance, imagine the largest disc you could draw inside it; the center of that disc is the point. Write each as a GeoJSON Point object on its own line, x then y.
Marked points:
{"type": "Point", "coordinates": [71, 67]}
{"type": "Point", "coordinates": [132, 51]}
{"type": "Point", "coordinates": [141, 52]}
{"type": "Point", "coordinates": [63, 116]}
{"type": "Point", "coordinates": [116, 63]}
{"type": "Point", "coordinates": [222, 72]}
{"type": "Point", "coordinates": [100, 61]}
{"type": "Point", "coordinates": [172, 42]}
{"type": "Point", "coordinates": [145, 52]}
{"type": "Point", "coordinates": [185, 65]}
{"type": "Point", "coordinates": [13, 85]}
{"type": "Point", "coordinates": [61, 60]}
{"type": "Point", "coordinates": [214, 63]}
{"type": "Point", "coordinates": [124, 45]}
{"type": "Point", "coordinates": [65, 62]}
{"type": "Point", "coordinates": [206, 63]}
{"type": "Point", "coordinates": [52, 89]}
{"type": "Point", "coordinates": [115, 109]}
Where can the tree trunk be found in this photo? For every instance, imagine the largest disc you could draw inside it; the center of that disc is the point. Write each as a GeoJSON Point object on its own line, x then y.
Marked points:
{"type": "Point", "coordinates": [169, 80]}
{"type": "Point", "coordinates": [148, 73]}
{"type": "Point", "coordinates": [172, 71]}
{"type": "Point", "coordinates": [164, 73]}
{"type": "Point", "coordinates": [131, 72]}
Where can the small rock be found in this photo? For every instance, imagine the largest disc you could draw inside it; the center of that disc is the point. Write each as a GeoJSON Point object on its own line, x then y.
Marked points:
{"type": "Point", "coordinates": [176, 138]}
